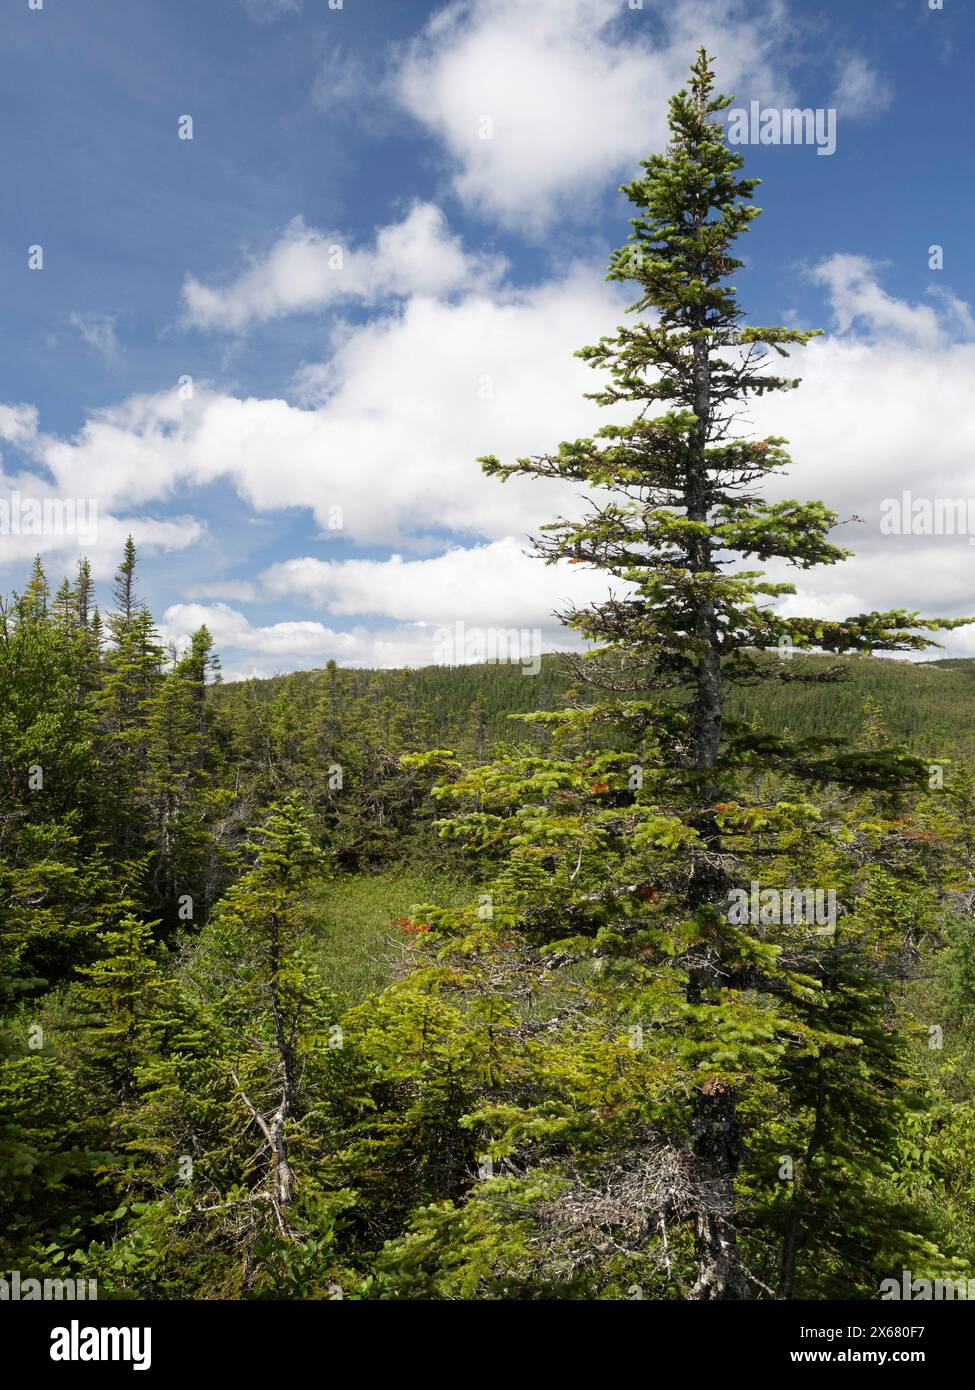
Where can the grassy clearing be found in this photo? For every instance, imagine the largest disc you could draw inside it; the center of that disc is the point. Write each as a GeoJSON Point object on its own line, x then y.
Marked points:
{"type": "Point", "coordinates": [351, 920]}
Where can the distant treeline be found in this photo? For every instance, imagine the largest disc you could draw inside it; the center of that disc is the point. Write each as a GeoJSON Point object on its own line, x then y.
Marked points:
{"type": "Point", "coordinates": [930, 705]}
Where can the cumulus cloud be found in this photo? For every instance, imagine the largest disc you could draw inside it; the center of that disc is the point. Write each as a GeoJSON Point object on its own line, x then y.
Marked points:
{"type": "Point", "coordinates": [410, 399]}
{"type": "Point", "coordinates": [409, 402]}
{"type": "Point", "coordinates": [294, 645]}
{"type": "Point", "coordinates": [36, 519]}
{"type": "Point", "coordinates": [883, 410]}
{"type": "Point", "coordinates": [308, 270]}
{"type": "Point", "coordinates": [63, 514]}
{"type": "Point", "coordinates": [231, 628]}
{"type": "Point", "coordinates": [496, 585]}
{"type": "Point", "coordinates": [18, 423]}
{"type": "Point", "coordinates": [858, 300]}
{"type": "Point", "coordinates": [543, 105]}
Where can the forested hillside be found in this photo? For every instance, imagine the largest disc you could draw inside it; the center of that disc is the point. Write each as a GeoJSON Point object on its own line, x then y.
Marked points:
{"type": "Point", "coordinates": [347, 984]}
{"type": "Point", "coordinates": [929, 704]}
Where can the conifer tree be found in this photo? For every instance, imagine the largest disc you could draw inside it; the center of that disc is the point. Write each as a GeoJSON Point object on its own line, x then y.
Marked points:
{"type": "Point", "coordinates": [36, 597]}
{"type": "Point", "coordinates": [124, 589]}
{"type": "Point", "coordinates": [252, 961]}
{"type": "Point", "coordinates": [130, 679]}
{"type": "Point", "coordinates": [84, 590]}
{"type": "Point", "coordinates": [641, 842]}
{"type": "Point", "coordinates": [113, 1004]}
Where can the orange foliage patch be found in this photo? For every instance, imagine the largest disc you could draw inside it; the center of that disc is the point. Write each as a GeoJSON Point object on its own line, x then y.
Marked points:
{"type": "Point", "coordinates": [408, 927]}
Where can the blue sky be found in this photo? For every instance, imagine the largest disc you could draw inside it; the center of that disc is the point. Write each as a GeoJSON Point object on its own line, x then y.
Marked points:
{"type": "Point", "coordinates": [471, 268]}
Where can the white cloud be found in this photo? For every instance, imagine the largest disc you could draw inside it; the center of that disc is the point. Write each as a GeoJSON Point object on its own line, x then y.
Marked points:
{"type": "Point", "coordinates": [877, 412]}
{"type": "Point", "coordinates": [959, 320]}
{"type": "Point", "coordinates": [496, 585]}
{"type": "Point", "coordinates": [98, 331]}
{"type": "Point", "coordinates": [232, 629]}
{"type": "Point", "coordinates": [344, 86]}
{"type": "Point", "coordinates": [75, 527]}
{"type": "Point", "coordinates": [308, 270]}
{"type": "Point", "coordinates": [313, 383]}
{"type": "Point", "coordinates": [412, 397]}
{"type": "Point", "coordinates": [543, 105]}
{"type": "Point", "coordinates": [411, 400]}
{"type": "Point", "coordinates": [876, 416]}
{"type": "Point", "coordinates": [77, 518]}
{"type": "Point", "coordinates": [858, 300]}
{"type": "Point", "coordinates": [18, 423]}
{"type": "Point", "coordinates": [860, 91]}
{"type": "Point", "coordinates": [285, 646]}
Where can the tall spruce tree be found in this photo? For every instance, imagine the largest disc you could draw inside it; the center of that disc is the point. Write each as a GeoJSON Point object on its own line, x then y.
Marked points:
{"type": "Point", "coordinates": [635, 841]}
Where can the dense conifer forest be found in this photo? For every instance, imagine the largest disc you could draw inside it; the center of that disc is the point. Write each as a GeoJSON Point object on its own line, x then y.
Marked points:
{"type": "Point", "coordinates": [648, 976]}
